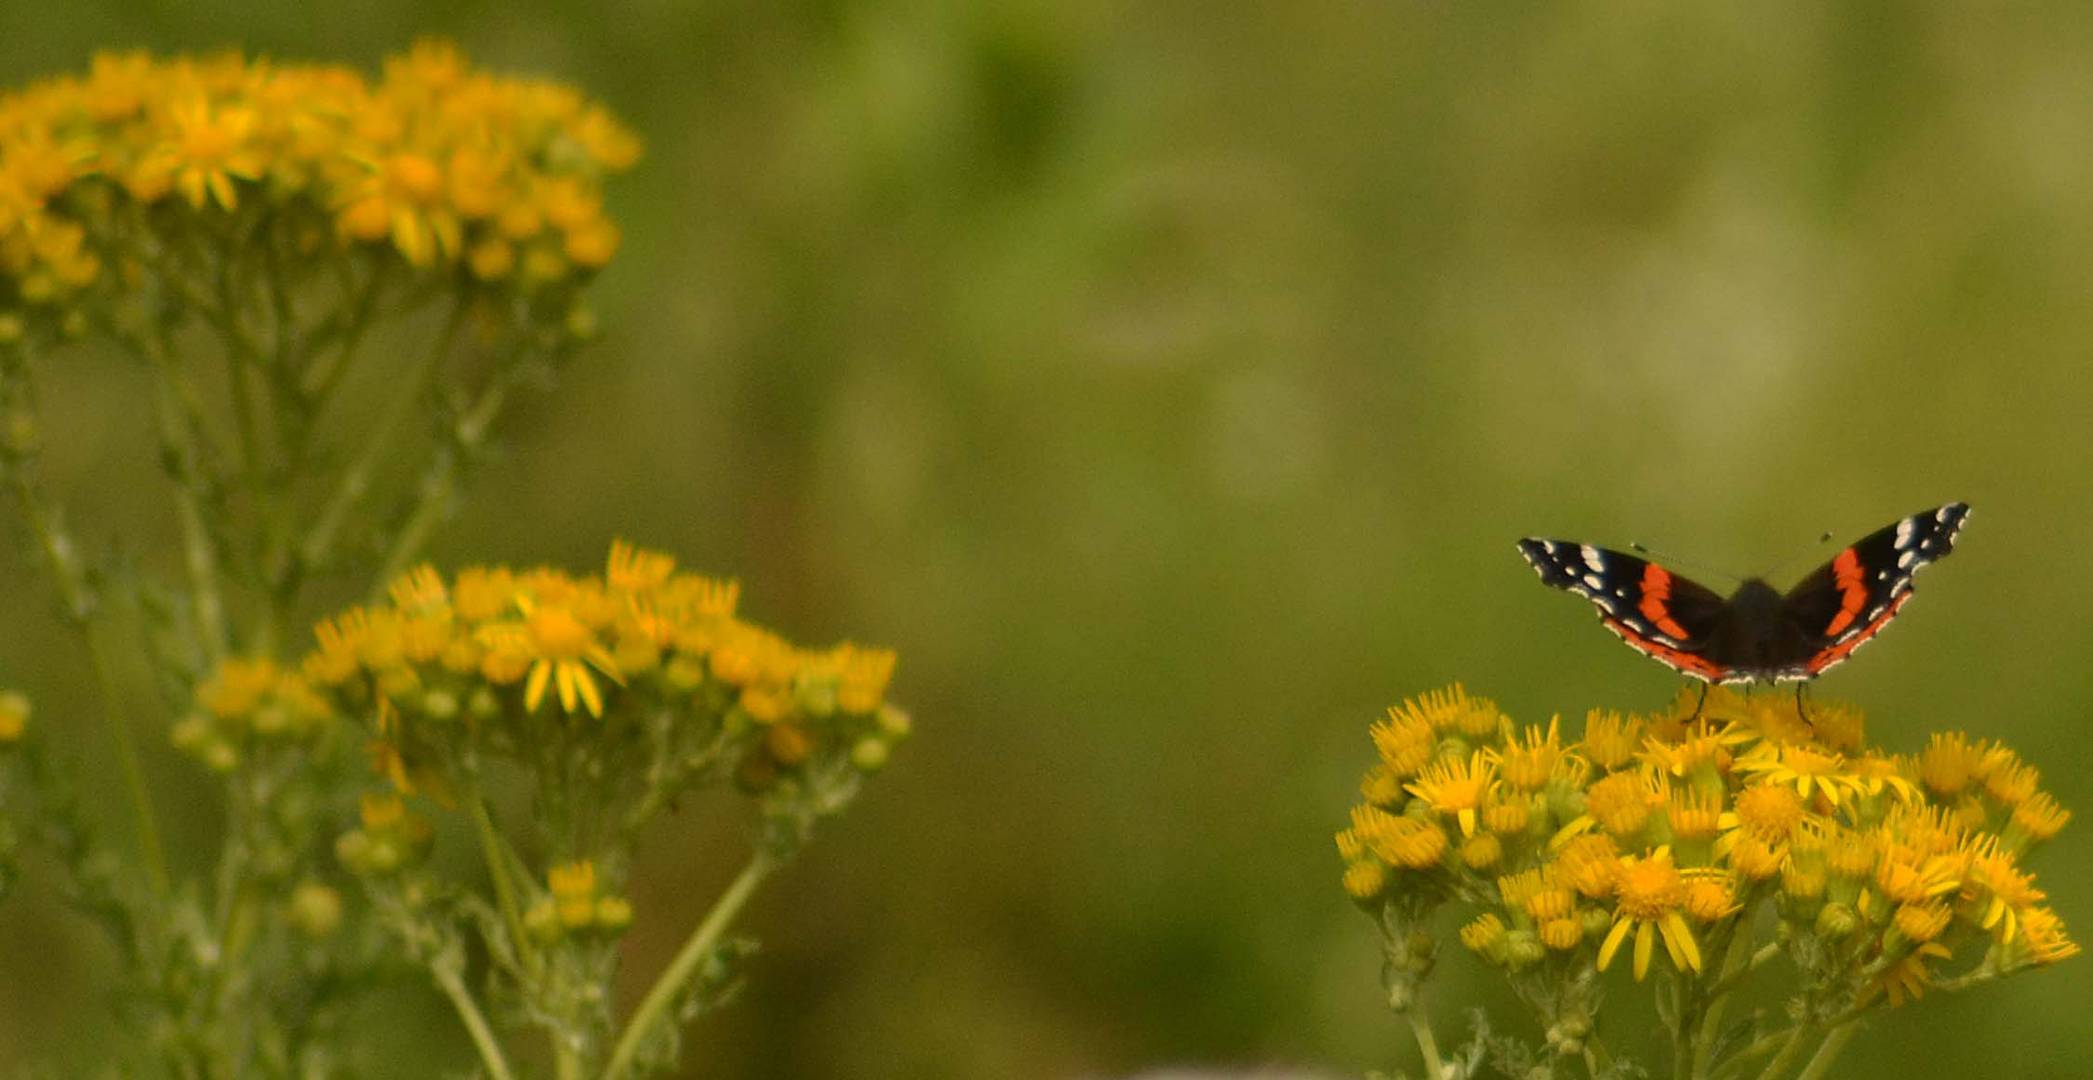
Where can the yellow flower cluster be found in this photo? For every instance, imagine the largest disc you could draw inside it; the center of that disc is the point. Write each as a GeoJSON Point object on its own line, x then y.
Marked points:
{"type": "Point", "coordinates": [518, 650]}
{"type": "Point", "coordinates": [1668, 830]}
{"type": "Point", "coordinates": [449, 166]}
{"type": "Point", "coordinates": [246, 703]}
{"type": "Point", "coordinates": [575, 903]}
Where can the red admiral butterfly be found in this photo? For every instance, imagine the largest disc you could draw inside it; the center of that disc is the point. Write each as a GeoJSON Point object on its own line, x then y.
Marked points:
{"type": "Point", "coordinates": [1757, 634]}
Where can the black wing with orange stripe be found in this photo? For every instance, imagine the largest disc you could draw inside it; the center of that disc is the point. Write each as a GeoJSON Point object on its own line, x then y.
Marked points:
{"type": "Point", "coordinates": [1847, 601]}
{"type": "Point", "coordinates": [1668, 618]}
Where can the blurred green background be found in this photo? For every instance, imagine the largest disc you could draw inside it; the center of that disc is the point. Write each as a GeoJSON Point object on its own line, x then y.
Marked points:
{"type": "Point", "coordinates": [1167, 382]}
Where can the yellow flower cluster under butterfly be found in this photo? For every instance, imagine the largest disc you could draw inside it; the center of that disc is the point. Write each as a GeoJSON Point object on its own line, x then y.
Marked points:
{"type": "Point", "coordinates": [1665, 836]}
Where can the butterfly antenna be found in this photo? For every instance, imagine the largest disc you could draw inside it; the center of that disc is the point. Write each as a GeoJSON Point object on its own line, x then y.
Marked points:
{"type": "Point", "coordinates": [1699, 569]}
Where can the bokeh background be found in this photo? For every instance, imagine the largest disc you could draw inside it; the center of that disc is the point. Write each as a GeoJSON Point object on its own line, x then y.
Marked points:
{"type": "Point", "coordinates": [1168, 381]}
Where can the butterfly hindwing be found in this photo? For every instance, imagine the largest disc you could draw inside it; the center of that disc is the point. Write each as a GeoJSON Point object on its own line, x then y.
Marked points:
{"type": "Point", "coordinates": [1668, 618]}
{"type": "Point", "coordinates": [1847, 601]}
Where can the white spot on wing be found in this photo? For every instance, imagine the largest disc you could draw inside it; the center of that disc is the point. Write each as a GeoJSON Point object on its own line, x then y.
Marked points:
{"type": "Point", "coordinates": [1592, 557]}
{"type": "Point", "coordinates": [1903, 534]}
{"type": "Point", "coordinates": [1944, 513]}
{"type": "Point", "coordinates": [1594, 581]}
{"type": "Point", "coordinates": [1903, 561]}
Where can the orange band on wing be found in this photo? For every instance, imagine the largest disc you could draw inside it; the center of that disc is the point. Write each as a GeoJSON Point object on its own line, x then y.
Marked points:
{"type": "Point", "coordinates": [1656, 597]}
{"type": "Point", "coordinates": [1860, 637]}
{"type": "Point", "coordinates": [1853, 590]}
{"type": "Point", "coordinates": [1690, 663]}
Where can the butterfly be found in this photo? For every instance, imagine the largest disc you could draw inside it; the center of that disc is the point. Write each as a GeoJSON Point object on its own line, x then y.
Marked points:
{"type": "Point", "coordinates": [1757, 634]}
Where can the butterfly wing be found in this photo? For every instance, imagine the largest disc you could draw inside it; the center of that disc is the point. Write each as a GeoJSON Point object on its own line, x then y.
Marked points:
{"type": "Point", "coordinates": [1666, 617]}
{"type": "Point", "coordinates": [1847, 601]}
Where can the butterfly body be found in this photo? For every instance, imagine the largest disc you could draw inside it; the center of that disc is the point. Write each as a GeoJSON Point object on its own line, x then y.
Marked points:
{"type": "Point", "coordinates": [1757, 633]}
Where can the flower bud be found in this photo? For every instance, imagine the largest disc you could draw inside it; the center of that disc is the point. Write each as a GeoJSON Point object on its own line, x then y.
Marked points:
{"type": "Point", "coordinates": [1836, 921]}
{"type": "Point", "coordinates": [315, 910]}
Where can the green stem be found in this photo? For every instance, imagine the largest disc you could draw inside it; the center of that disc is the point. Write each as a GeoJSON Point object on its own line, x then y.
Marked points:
{"type": "Point", "coordinates": [77, 595]}
{"type": "Point", "coordinates": [356, 481]}
{"type": "Point", "coordinates": [438, 484]}
{"type": "Point", "coordinates": [1735, 964]}
{"type": "Point", "coordinates": [1789, 1049]}
{"type": "Point", "coordinates": [1820, 1062]}
{"type": "Point", "coordinates": [655, 1007]}
{"type": "Point", "coordinates": [453, 987]}
{"type": "Point", "coordinates": [127, 761]}
{"type": "Point", "coordinates": [1427, 1045]}
{"type": "Point", "coordinates": [495, 851]}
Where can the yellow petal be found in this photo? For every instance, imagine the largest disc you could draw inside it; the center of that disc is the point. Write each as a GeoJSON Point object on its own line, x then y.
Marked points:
{"type": "Point", "coordinates": [566, 683]}
{"type": "Point", "coordinates": [589, 694]}
{"type": "Point", "coordinates": [534, 690]}
{"type": "Point", "coordinates": [1678, 939]}
{"type": "Point", "coordinates": [1645, 941]}
{"type": "Point", "coordinates": [1612, 944]}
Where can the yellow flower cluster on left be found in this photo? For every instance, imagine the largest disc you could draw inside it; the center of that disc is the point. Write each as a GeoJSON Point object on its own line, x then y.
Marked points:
{"type": "Point", "coordinates": [1661, 834]}
{"type": "Point", "coordinates": [495, 178]}
{"type": "Point", "coordinates": [521, 656]}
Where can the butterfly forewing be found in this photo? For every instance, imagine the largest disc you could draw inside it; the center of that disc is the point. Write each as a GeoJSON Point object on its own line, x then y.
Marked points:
{"type": "Point", "coordinates": [1660, 614]}
{"type": "Point", "coordinates": [1844, 603]}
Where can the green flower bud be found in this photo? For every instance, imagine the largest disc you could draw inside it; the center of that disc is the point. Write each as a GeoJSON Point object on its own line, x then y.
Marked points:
{"type": "Point", "coordinates": [315, 910]}
{"type": "Point", "coordinates": [1837, 921]}
{"type": "Point", "coordinates": [869, 755]}
{"type": "Point", "coordinates": [614, 913]}
{"type": "Point", "coordinates": [894, 723]}
{"type": "Point", "coordinates": [440, 705]}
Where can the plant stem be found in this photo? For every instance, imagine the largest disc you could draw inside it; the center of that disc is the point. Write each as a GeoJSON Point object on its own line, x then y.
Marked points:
{"type": "Point", "coordinates": [655, 1006]}
{"type": "Point", "coordinates": [1734, 965]}
{"type": "Point", "coordinates": [1788, 1050]}
{"type": "Point", "coordinates": [491, 847]}
{"type": "Point", "coordinates": [1427, 1045]}
{"type": "Point", "coordinates": [356, 480]}
{"type": "Point", "coordinates": [453, 987]}
{"type": "Point", "coordinates": [439, 482]}
{"type": "Point", "coordinates": [1820, 1062]}
{"type": "Point", "coordinates": [77, 595]}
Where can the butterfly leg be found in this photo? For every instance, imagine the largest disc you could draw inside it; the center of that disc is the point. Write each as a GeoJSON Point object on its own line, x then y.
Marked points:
{"type": "Point", "coordinates": [1697, 703]}
{"type": "Point", "coordinates": [1801, 711]}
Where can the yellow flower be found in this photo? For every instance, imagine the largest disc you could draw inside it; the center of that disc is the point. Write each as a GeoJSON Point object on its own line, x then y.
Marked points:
{"type": "Point", "coordinates": [1365, 879]}
{"type": "Point", "coordinates": [1949, 762]}
{"type": "Point", "coordinates": [1621, 802]}
{"type": "Point", "coordinates": [402, 198]}
{"type": "Point", "coordinates": [1922, 922]}
{"type": "Point", "coordinates": [1650, 894]}
{"type": "Point", "coordinates": [1609, 738]}
{"type": "Point", "coordinates": [1710, 894]}
{"type": "Point", "coordinates": [1841, 727]}
{"type": "Point", "coordinates": [1406, 740]}
{"type": "Point", "coordinates": [573, 888]}
{"type": "Point", "coordinates": [2042, 936]}
{"type": "Point", "coordinates": [1770, 812]}
{"type": "Point", "coordinates": [565, 649]}
{"type": "Point", "coordinates": [1485, 934]}
{"type": "Point", "coordinates": [1694, 815]}
{"type": "Point", "coordinates": [1527, 761]}
{"type": "Point", "coordinates": [2039, 816]}
{"type": "Point", "coordinates": [2011, 891]}
{"type": "Point", "coordinates": [1456, 787]}
{"type": "Point", "coordinates": [1908, 978]}
{"type": "Point", "coordinates": [1588, 864]}
{"type": "Point", "coordinates": [1562, 935]}
{"type": "Point", "coordinates": [1809, 769]}
{"type": "Point", "coordinates": [1398, 841]}
{"type": "Point", "coordinates": [206, 150]}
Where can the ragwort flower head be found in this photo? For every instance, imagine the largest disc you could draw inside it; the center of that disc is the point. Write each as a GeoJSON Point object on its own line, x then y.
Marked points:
{"type": "Point", "coordinates": [501, 659]}
{"type": "Point", "coordinates": [1686, 828]}
{"type": "Point", "coordinates": [447, 168]}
